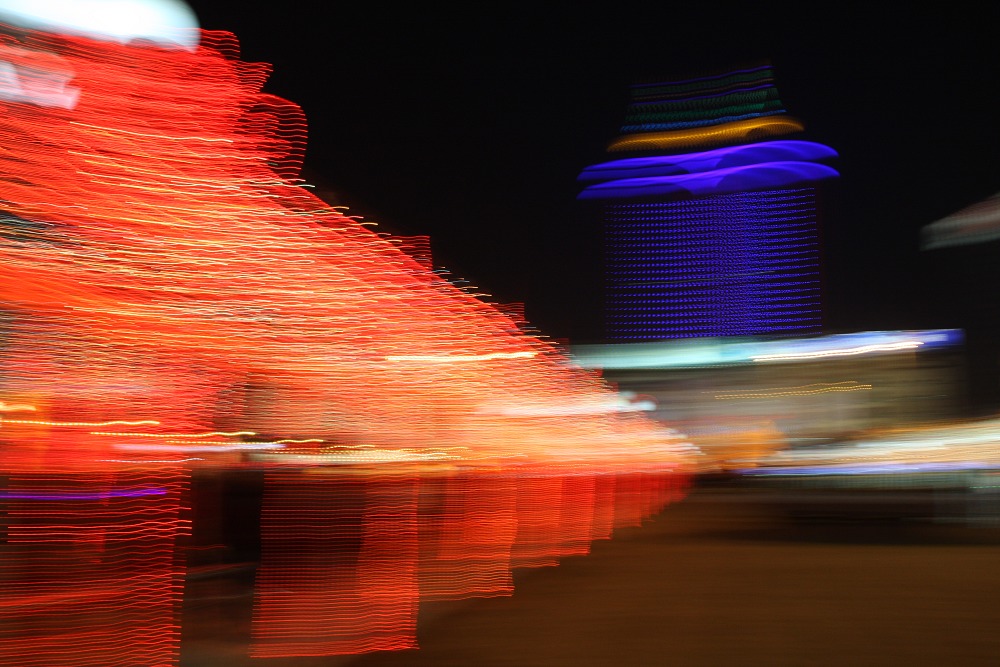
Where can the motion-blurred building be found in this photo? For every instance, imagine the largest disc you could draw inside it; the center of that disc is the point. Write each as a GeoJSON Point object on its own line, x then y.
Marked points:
{"type": "Point", "coordinates": [959, 281]}
{"type": "Point", "coordinates": [741, 399]}
{"type": "Point", "coordinates": [711, 221]}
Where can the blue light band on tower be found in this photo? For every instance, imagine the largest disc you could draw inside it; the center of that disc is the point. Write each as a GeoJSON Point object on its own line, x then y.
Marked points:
{"type": "Point", "coordinates": [718, 242]}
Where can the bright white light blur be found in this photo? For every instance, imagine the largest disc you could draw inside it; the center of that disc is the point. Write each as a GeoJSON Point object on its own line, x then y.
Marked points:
{"type": "Point", "coordinates": [242, 446]}
{"type": "Point", "coordinates": [842, 352]}
{"type": "Point", "coordinates": [44, 88]}
{"type": "Point", "coordinates": [160, 21]}
{"type": "Point", "coordinates": [716, 351]}
{"type": "Point", "coordinates": [453, 358]}
{"type": "Point", "coordinates": [623, 402]}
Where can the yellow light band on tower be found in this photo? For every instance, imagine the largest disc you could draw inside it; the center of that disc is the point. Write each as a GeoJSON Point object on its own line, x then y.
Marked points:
{"type": "Point", "coordinates": [708, 136]}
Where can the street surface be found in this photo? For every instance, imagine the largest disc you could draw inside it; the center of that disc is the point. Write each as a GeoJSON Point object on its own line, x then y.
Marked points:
{"type": "Point", "coordinates": [725, 578]}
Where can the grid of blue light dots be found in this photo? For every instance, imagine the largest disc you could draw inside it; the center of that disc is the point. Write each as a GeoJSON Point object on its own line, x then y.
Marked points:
{"type": "Point", "coordinates": [741, 263]}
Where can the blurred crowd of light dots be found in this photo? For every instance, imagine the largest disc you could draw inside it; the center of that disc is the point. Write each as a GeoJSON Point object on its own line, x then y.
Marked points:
{"type": "Point", "coordinates": [174, 297]}
{"type": "Point", "coordinates": [162, 262]}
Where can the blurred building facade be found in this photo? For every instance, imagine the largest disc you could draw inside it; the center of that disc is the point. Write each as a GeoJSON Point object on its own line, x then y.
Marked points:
{"type": "Point", "coordinates": [741, 399]}
{"type": "Point", "coordinates": [958, 283]}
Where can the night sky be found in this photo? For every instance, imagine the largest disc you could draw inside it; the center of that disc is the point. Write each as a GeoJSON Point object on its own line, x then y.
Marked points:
{"type": "Point", "coordinates": [471, 124]}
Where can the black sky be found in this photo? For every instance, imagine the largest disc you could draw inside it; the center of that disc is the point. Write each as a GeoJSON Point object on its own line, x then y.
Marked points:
{"type": "Point", "coordinates": [470, 124]}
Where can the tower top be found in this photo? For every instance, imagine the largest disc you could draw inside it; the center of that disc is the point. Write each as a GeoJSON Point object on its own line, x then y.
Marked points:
{"type": "Point", "coordinates": [717, 109]}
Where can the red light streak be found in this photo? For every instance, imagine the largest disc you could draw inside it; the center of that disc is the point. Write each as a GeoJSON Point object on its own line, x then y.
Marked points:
{"type": "Point", "coordinates": [338, 568]}
{"type": "Point", "coordinates": [91, 582]}
{"type": "Point", "coordinates": [165, 270]}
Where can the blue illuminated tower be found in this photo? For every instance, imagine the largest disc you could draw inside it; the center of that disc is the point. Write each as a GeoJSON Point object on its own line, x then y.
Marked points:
{"type": "Point", "coordinates": [711, 224]}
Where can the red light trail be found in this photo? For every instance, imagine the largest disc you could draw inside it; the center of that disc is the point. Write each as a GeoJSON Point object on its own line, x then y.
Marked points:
{"type": "Point", "coordinates": [173, 296]}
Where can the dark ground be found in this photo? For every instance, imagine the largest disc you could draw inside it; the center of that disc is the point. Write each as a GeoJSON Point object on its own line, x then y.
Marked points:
{"type": "Point", "coordinates": [725, 577]}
